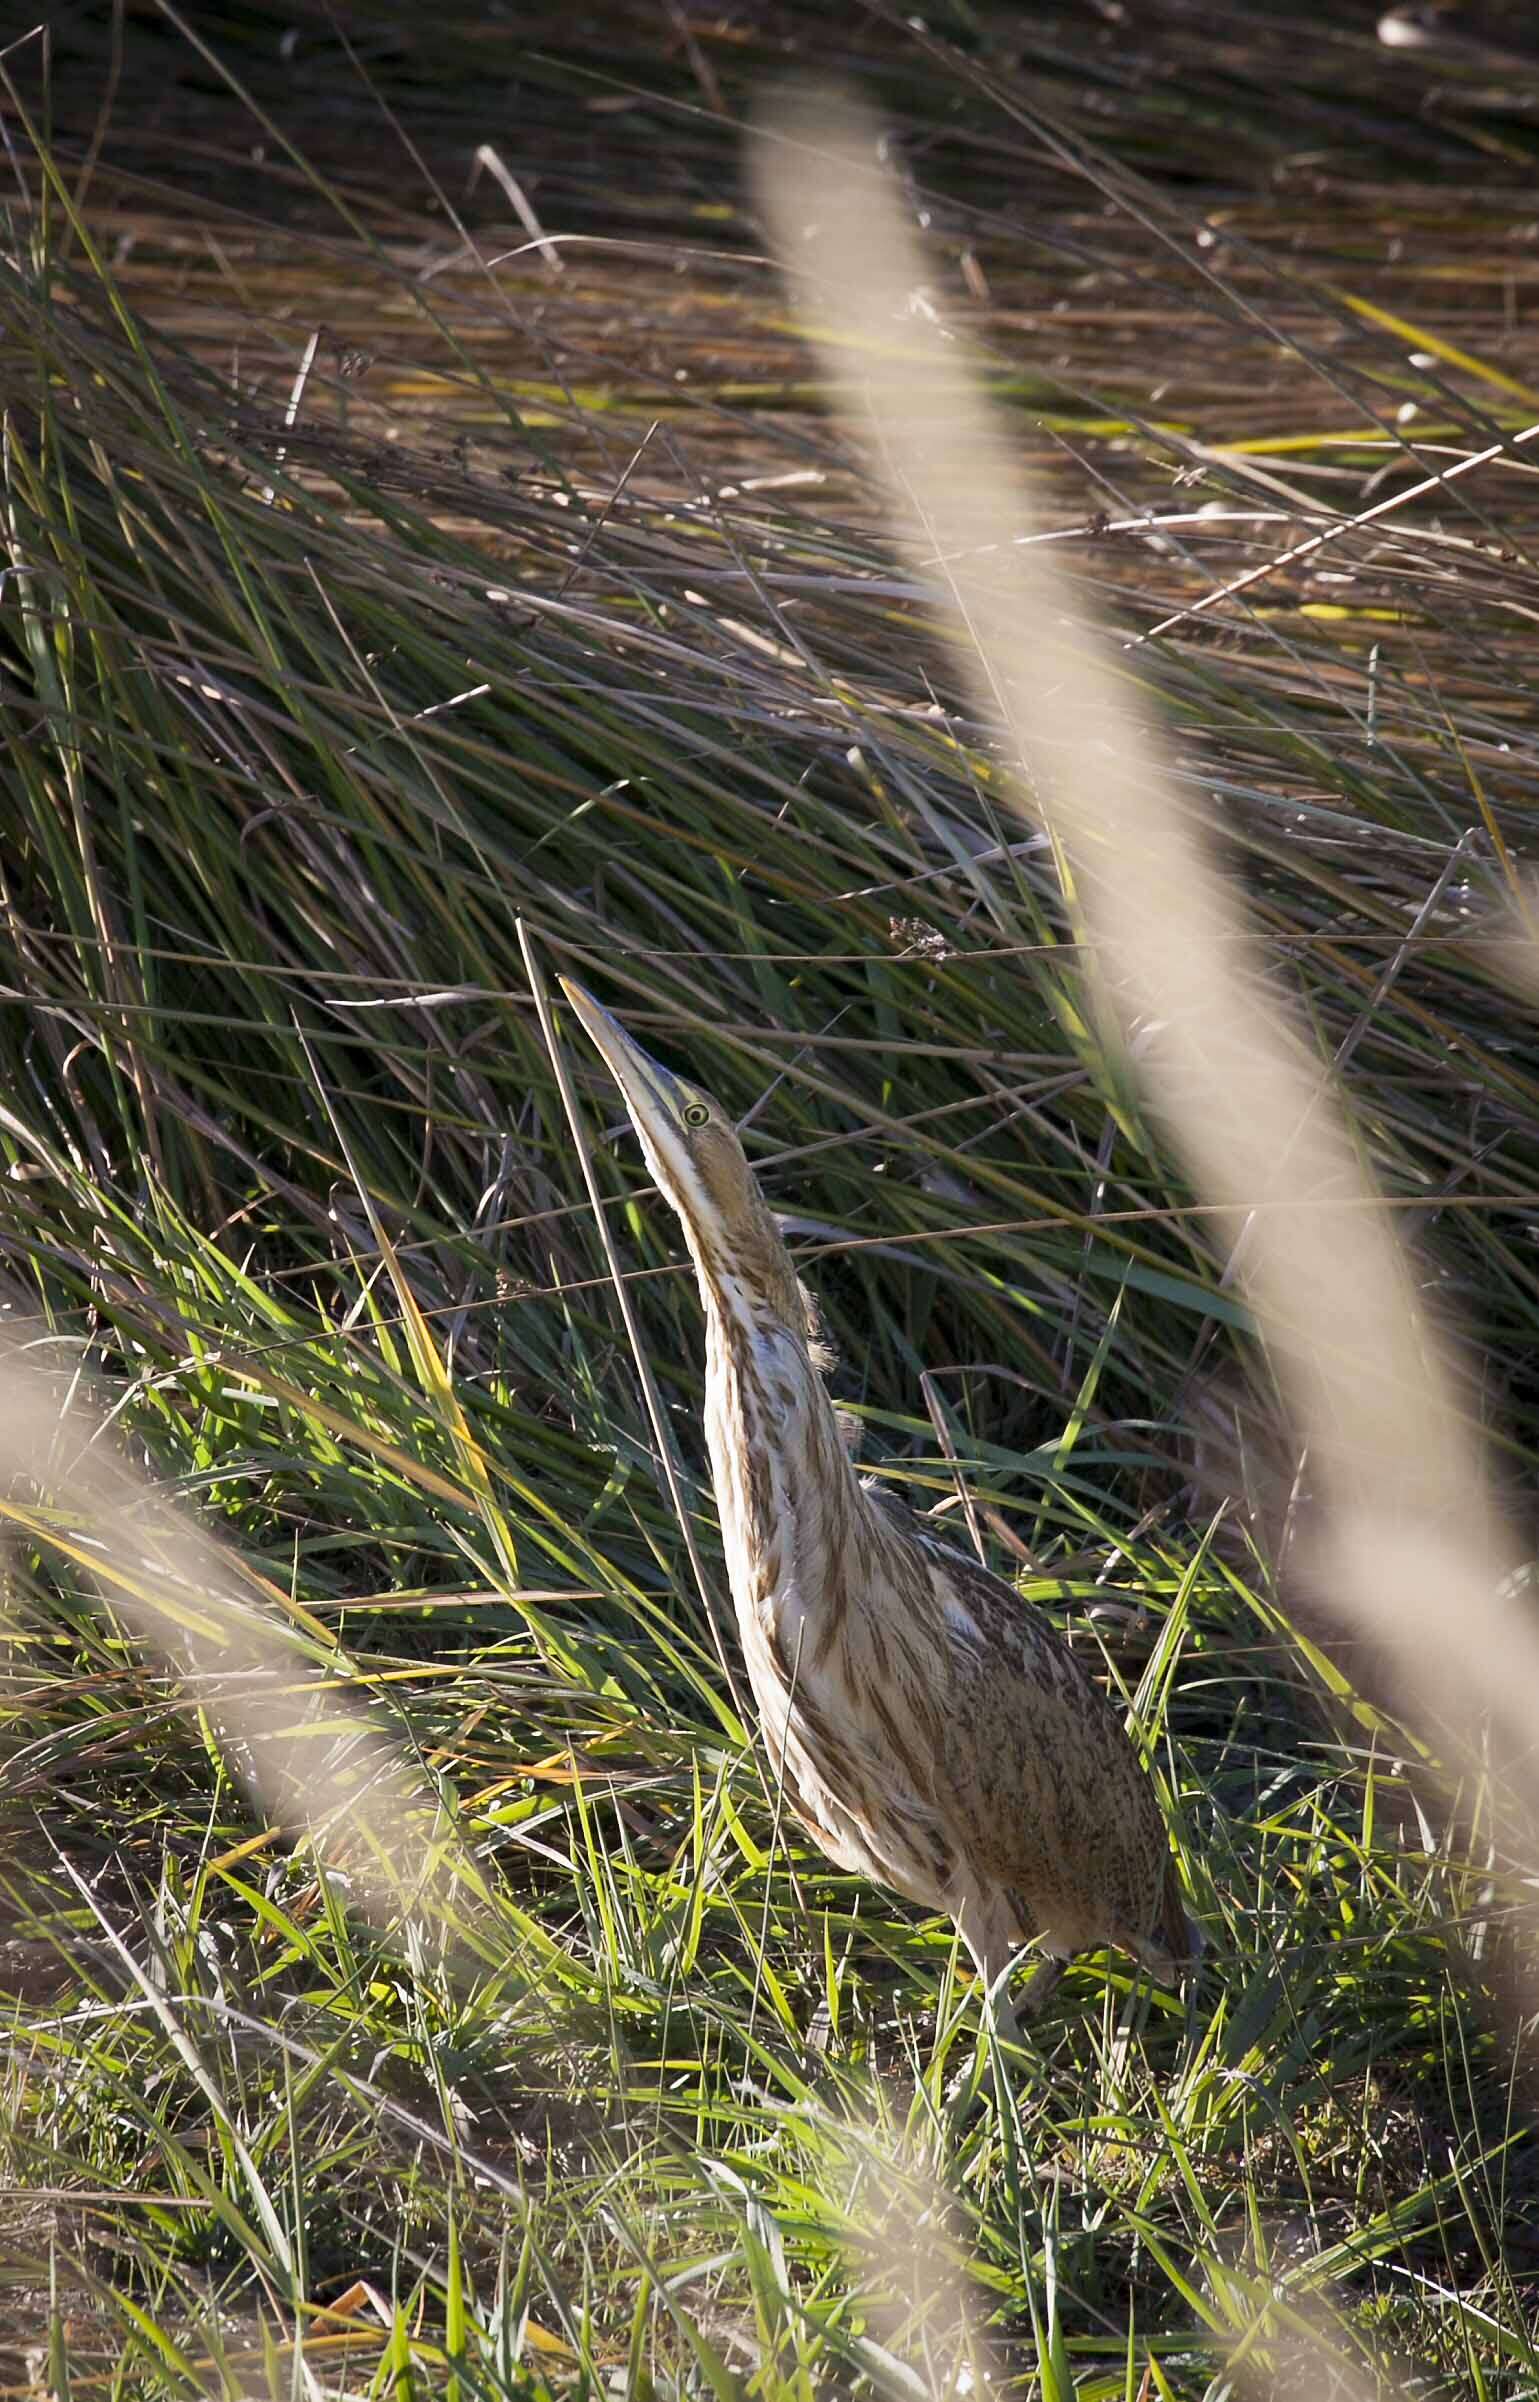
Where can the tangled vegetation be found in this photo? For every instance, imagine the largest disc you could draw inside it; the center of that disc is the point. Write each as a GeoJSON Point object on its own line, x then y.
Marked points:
{"type": "Point", "coordinates": [428, 567]}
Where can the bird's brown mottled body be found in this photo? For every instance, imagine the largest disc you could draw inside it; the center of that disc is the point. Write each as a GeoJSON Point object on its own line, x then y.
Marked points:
{"type": "Point", "coordinates": [932, 1730]}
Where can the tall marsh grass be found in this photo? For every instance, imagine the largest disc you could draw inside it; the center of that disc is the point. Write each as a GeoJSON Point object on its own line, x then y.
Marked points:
{"type": "Point", "coordinates": [375, 587]}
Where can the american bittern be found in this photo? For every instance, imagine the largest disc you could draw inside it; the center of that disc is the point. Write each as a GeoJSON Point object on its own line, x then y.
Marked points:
{"type": "Point", "coordinates": [931, 1729]}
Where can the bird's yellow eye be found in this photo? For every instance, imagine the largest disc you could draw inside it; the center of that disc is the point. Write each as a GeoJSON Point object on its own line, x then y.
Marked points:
{"type": "Point", "coordinates": [696, 1114]}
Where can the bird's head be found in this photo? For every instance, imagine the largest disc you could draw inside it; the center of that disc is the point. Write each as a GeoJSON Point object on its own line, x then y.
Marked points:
{"type": "Point", "coordinates": [702, 1169]}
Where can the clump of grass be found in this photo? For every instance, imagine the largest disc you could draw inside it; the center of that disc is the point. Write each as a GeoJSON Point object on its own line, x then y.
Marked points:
{"type": "Point", "coordinates": [318, 687]}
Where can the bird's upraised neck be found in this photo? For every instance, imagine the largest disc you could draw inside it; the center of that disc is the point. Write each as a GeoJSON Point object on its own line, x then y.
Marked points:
{"type": "Point", "coordinates": [770, 1426]}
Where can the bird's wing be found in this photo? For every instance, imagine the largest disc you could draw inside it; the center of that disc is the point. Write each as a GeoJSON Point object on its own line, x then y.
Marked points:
{"type": "Point", "coordinates": [1045, 1791]}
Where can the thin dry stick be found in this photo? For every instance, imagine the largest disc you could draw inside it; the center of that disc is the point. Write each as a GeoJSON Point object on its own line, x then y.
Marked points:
{"type": "Point", "coordinates": [933, 1403]}
{"type": "Point", "coordinates": [1334, 533]}
{"type": "Point", "coordinates": [519, 200]}
{"type": "Point", "coordinates": [643, 1365]}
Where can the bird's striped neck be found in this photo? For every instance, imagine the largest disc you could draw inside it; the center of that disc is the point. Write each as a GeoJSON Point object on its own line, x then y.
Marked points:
{"type": "Point", "coordinates": [785, 1489]}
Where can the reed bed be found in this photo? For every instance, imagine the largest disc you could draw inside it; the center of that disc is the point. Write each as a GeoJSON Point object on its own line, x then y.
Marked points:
{"type": "Point", "coordinates": [395, 594]}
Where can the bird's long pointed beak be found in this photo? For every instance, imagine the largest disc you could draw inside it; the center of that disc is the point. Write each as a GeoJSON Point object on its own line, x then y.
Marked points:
{"type": "Point", "coordinates": [651, 1095]}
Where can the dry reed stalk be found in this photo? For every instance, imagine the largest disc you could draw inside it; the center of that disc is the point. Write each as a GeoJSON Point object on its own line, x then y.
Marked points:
{"type": "Point", "coordinates": [318, 1757]}
{"type": "Point", "coordinates": [1411, 1549]}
